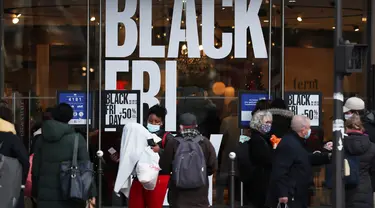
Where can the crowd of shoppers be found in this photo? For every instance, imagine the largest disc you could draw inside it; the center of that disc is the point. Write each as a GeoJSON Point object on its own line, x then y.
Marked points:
{"type": "Point", "coordinates": [280, 162]}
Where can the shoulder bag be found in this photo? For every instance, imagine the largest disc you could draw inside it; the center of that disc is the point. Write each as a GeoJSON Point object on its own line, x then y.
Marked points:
{"type": "Point", "coordinates": [76, 177]}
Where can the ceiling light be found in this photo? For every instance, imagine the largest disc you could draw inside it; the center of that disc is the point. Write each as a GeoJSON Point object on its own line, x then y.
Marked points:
{"type": "Point", "coordinates": [91, 70]}
{"type": "Point", "coordinates": [165, 34]}
{"type": "Point", "coordinates": [158, 36]}
{"type": "Point", "coordinates": [223, 8]}
{"type": "Point", "coordinates": [356, 28]}
{"type": "Point", "coordinates": [266, 21]}
{"type": "Point", "coordinates": [92, 19]}
{"type": "Point", "coordinates": [184, 47]}
{"type": "Point", "coordinates": [232, 27]}
{"type": "Point", "coordinates": [84, 74]}
{"type": "Point", "coordinates": [83, 68]}
{"type": "Point", "coordinates": [364, 19]}
{"type": "Point", "coordinates": [273, 44]}
{"type": "Point", "coordinates": [15, 20]}
{"type": "Point", "coordinates": [333, 27]}
{"type": "Point", "coordinates": [299, 19]}
{"type": "Point", "coordinates": [168, 19]}
{"type": "Point", "coordinates": [292, 1]}
{"type": "Point", "coordinates": [18, 15]}
{"type": "Point", "coordinates": [201, 48]}
{"type": "Point", "coordinates": [249, 42]}
{"type": "Point", "coordinates": [182, 22]}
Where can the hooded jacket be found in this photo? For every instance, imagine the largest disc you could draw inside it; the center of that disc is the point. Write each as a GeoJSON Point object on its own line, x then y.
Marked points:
{"type": "Point", "coordinates": [281, 121]}
{"type": "Point", "coordinates": [56, 145]}
{"type": "Point", "coordinates": [359, 145]}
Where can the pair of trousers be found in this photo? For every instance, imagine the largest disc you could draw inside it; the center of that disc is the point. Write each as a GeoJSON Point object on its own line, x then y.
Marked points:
{"type": "Point", "coordinates": [142, 198]}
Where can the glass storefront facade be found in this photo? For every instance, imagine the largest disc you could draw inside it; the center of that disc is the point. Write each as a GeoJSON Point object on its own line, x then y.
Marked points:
{"type": "Point", "coordinates": [187, 55]}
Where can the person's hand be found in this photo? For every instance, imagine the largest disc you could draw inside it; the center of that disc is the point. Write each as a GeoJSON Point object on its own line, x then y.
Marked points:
{"type": "Point", "coordinates": [328, 146]}
{"type": "Point", "coordinates": [283, 200]}
{"type": "Point", "coordinates": [156, 148]}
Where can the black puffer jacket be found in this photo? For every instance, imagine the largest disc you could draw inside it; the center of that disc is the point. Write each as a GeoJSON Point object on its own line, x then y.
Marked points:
{"type": "Point", "coordinates": [360, 145]}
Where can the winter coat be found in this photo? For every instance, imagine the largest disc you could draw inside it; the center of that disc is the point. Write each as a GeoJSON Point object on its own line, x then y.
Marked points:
{"type": "Point", "coordinates": [369, 123]}
{"type": "Point", "coordinates": [292, 171]}
{"type": "Point", "coordinates": [260, 151]}
{"type": "Point", "coordinates": [360, 145]}
{"type": "Point", "coordinates": [55, 146]}
{"type": "Point", "coordinates": [188, 198]}
{"type": "Point", "coordinates": [11, 146]}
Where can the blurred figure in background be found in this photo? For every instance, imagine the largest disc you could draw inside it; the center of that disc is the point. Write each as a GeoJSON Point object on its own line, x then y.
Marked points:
{"type": "Point", "coordinates": [12, 146]}
{"type": "Point", "coordinates": [261, 105]}
{"type": "Point", "coordinates": [231, 134]}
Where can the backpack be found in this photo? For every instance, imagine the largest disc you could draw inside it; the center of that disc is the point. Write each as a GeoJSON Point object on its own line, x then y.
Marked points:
{"type": "Point", "coordinates": [351, 180]}
{"type": "Point", "coordinates": [189, 164]}
{"type": "Point", "coordinates": [10, 181]}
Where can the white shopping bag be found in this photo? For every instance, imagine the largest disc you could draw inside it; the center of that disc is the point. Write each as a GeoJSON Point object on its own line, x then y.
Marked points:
{"type": "Point", "coordinates": [148, 169]}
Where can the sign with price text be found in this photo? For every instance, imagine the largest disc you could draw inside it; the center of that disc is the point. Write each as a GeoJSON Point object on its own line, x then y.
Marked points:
{"type": "Point", "coordinates": [78, 101]}
{"type": "Point", "coordinates": [306, 103]}
{"type": "Point", "coordinates": [119, 108]}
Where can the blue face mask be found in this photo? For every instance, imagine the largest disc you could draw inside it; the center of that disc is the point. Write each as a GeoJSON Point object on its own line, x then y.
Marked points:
{"type": "Point", "coordinates": [153, 128]}
{"type": "Point", "coordinates": [308, 134]}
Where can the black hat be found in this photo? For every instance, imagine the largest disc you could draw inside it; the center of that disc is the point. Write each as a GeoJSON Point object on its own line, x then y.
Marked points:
{"type": "Point", "coordinates": [188, 120]}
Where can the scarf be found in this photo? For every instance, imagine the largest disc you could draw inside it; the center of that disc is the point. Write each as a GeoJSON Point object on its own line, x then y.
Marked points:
{"type": "Point", "coordinates": [192, 133]}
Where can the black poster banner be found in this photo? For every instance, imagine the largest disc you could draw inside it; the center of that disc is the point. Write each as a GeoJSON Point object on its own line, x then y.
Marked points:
{"type": "Point", "coordinates": [306, 103]}
{"type": "Point", "coordinates": [120, 107]}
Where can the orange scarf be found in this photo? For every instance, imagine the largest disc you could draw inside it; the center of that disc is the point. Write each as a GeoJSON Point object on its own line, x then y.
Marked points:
{"type": "Point", "coordinates": [275, 141]}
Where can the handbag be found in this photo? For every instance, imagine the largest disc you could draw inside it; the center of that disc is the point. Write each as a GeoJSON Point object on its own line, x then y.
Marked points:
{"type": "Point", "coordinates": [76, 177]}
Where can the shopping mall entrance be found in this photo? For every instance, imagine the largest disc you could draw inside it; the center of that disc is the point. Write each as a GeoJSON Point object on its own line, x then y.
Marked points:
{"type": "Point", "coordinates": [196, 56]}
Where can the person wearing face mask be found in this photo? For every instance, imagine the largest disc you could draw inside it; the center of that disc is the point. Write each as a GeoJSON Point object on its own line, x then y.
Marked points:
{"type": "Point", "coordinates": [291, 175]}
{"type": "Point", "coordinates": [260, 153]}
{"type": "Point", "coordinates": [356, 106]}
{"type": "Point", "coordinates": [155, 125]}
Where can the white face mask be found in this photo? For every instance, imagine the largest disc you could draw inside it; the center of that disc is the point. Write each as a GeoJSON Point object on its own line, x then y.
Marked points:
{"type": "Point", "coordinates": [347, 116]}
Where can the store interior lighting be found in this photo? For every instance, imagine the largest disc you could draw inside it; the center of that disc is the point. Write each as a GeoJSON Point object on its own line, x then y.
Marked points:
{"type": "Point", "coordinates": [356, 28]}
{"type": "Point", "coordinates": [92, 19]}
{"type": "Point", "coordinates": [16, 18]}
{"type": "Point", "coordinates": [299, 19]}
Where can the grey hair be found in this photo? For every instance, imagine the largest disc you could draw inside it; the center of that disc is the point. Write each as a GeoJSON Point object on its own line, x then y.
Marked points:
{"type": "Point", "coordinates": [299, 122]}
{"type": "Point", "coordinates": [258, 117]}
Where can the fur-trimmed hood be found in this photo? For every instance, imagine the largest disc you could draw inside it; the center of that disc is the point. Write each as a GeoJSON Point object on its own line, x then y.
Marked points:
{"type": "Point", "coordinates": [281, 112]}
{"type": "Point", "coordinates": [255, 122]}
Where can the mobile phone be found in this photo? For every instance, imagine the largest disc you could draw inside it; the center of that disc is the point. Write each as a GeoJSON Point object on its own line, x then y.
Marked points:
{"type": "Point", "coordinates": [151, 142]}
{"type": "Point", "coordinates": [112, 151]}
